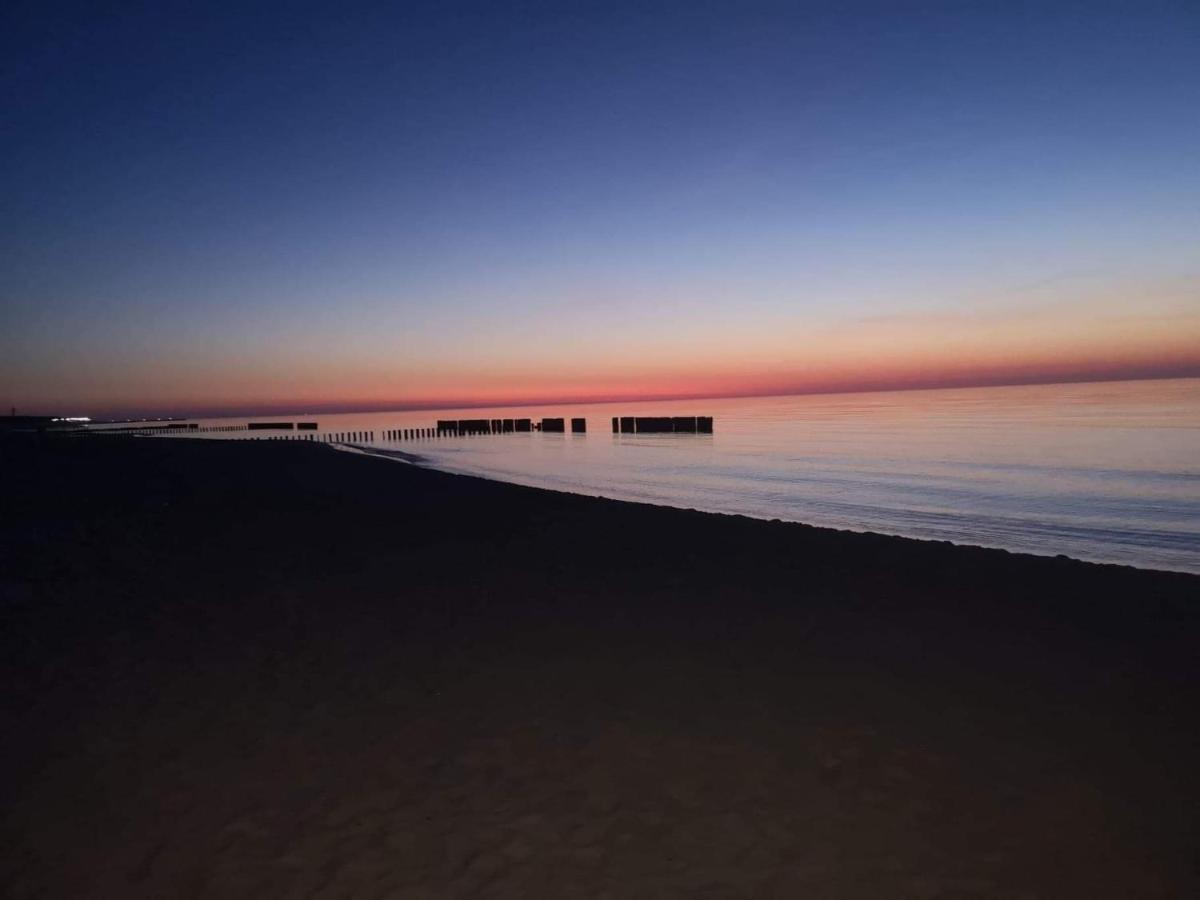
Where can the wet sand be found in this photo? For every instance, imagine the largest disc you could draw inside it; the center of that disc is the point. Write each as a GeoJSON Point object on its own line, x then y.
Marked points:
{"type": "Point", "coordinates": [271, 669]}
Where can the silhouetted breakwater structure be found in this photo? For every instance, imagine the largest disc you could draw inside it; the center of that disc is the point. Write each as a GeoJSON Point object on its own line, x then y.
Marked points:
{"type": "Point", "coordinates": [144, 430]}
{"type": "Point", "coordinates": [662, 425]}
{"type": "Point", "coordinates": [467, 427]}
{"type": "Point", "coordinates": [151, 430]}
{"type": "Point", "coordinates": [444, 428]}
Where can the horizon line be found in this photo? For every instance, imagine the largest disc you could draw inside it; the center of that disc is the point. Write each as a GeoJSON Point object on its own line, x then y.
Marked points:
{"type": "Point", "coordinates": [278, 408]}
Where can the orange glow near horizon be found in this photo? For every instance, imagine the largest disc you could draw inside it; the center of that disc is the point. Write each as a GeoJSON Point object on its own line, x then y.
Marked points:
{"type": "Point", "coordinates": [814, 369]}
{"type": "Point", "coordinates": [1104, 338]}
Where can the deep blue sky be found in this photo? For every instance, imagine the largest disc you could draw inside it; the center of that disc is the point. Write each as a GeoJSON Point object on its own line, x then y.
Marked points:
{"type": "Point", "coordinates": [208, 204]}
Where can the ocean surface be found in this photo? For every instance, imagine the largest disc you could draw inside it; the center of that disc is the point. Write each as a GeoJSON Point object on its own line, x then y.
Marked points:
{"type": "Point", "coordinates": [1107, 472]}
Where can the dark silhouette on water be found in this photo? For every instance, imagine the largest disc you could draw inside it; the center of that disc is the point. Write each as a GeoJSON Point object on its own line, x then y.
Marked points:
{"type": "Point", "coordinates": [662, 424]}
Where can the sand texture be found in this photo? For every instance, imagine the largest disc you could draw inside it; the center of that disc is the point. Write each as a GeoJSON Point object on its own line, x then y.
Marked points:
{"type": "Point", "coordinates": [249, 670]}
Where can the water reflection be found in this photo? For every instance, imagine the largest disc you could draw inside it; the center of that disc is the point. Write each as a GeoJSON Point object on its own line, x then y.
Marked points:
{"type": "Point", "coordinates": [1108, 472]}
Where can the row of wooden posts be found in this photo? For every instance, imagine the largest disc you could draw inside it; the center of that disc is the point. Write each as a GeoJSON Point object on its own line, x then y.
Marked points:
{"type": "Point", "coordinates": [444, 428]}
{"type": "Point", "coordinates": [131, 431]}
{"type": "Point", "coordinates": [662, 424]}
{"type": "Point", "coordinates": [169, 428]}
{"type": "Point", "coordinates": [472, 427]}
{"type": "Point", "coordinates": [507, 426]}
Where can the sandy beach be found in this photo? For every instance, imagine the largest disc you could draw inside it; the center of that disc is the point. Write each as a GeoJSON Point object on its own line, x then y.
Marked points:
{"type": "Point", "coordinates": [259, 669]}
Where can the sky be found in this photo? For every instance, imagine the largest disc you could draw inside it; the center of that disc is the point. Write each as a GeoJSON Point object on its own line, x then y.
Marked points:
{"type": "Point", "coordinates": [209, 206]}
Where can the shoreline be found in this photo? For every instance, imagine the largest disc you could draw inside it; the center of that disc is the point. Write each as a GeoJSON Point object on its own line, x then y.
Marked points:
{"type": "Point", "coordinates": [431, 465]}
{"type": "Point", "coordinates": [395, 455]}
{"type": "Point", "coordinates": [239, 669]}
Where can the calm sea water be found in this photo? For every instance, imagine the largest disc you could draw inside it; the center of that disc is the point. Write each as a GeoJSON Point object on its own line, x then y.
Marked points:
{"type": "Point", "coordinates": [1107, 472]}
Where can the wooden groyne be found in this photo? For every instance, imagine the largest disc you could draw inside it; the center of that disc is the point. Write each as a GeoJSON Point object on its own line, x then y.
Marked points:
{"type": "Point", "coordinates": [468, 427]}
{"type": "Point", "coordinates": [662, 425]}
{"type": "Point", "coordinates": [409, 434]}
{"type": "Point", "coordinates": [156, 429]}
{"type": "Point", "coordinates": [444, 428]}
{"type": "Point", "coordinates": [140, 430]}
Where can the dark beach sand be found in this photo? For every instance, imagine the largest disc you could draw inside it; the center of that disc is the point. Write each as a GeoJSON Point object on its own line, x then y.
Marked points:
{"type": "Point", "coordinates": [276, 670]}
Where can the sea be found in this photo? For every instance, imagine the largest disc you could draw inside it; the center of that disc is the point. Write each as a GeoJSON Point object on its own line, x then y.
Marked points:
{"type": "Point", "coordinates": [1107, 472]}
